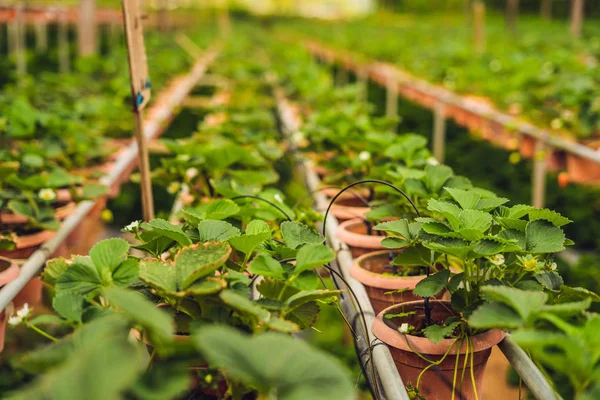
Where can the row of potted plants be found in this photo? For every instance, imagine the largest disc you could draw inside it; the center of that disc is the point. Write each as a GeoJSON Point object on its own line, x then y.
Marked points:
{"type": "Point", "coordinates": [447, 264]}
{"type": "Point", "coordinates": [238, 261]}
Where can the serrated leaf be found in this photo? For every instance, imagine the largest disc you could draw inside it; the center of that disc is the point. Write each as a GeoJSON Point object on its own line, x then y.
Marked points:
{"type": "Point", "coordinates": [266, 266]}
{"type": "Point", "coordinates": [216, 231]}
{"type": "Point", "coordinates": [525, 303]}
{"type": "Point", "coordinates": [550, 280]}
{"type": "Point", "coordinates": [394, 243]}
{"type": "Point", "coordinates": [109, 253]}
{"type": "Point", "coordinates": [159, 274]}
{"type": "Point", "coordinates": [79, 279]}
{"type": "Point", "coordinates": [221, 209]}
{"type": "Point", "coordinates": [515, 236]}
{"type": "Point", "coordinates": [312, 256]}
{"type": "Point", "coordinates": [296, 234]}
{"type": "Point", "coordinates": [248, 243]}
{"type": "Point", "coordinates": [276, 289]}
{"type": "Point", "coordinates": [206, 287]}
{"type": "Point", "coordinates": [305, 315]}
{"type": "Point", "coordinates": [198, 261]}
{"type": "Point", "coordinates": [415, 256]}
{"type": "Point", "coordinates": [54, 268]}
{"type": "Point", "coordinates": [490, 204]}
{"type": "Point", "coordinates": [449, 210]}
{"type": "Point", "coordinates": [126, 273]}
{"type": "Point", "coordinates": [433, 284]}
{"type": "Point", "coordinates": [258, 227]}
{"type": "Point", "coordinates": [548, 215]}
{"type": "Point", "coordinates": [543, 237]}
{"type": "Point", "coordinates": [437, 333]}
{"type": "Point", "coordinates": [167, 229]}
{"type": "Point", "coordinates": [570, 309]}
{"type": "Point", "coordinates": [68, 305]}
{"type": "Point", "coordinates": [282, 325]}
{"type": "Point", "coordinates": [467, 199]}
{"type": "Point", "coordinates": [495, 315]}
{"type": "Point", "coordinates": [437, 176]}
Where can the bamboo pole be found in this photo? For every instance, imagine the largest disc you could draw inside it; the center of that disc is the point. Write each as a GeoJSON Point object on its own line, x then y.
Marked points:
{"type": "Point", "coordinates": [546, 9]}
{"type": "Point", "coordinates": [512, 11]}
{"type": "Point", "coordinates": [439, 131]}
{"type": "Point", "coordinates": [577, 7]}
{"type": "Point", "coordinates": [19, 40]}
{"type": "Point", "coordinates": [538, 195]}
{"type": "Point", "coordinates": [41, 37]}
{"type": "Point", "coordinates": [63, 45]}
{"type": "Point", "coordinates": [478, 26]}
{"type": "Point", "coordinates": [88, 31]}
{"type": "Point", "coordinates": [391, 98]}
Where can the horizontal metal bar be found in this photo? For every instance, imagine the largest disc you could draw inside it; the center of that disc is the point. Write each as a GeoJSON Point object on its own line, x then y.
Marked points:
{"type": "Point", "coordinates": [387, 373]}
{"type": "Point", "coordinates": [394, 73]}
{"type": "Point", "coordinates": [154, 126]}
{"type": "Point", "coordinates": [536, 383]}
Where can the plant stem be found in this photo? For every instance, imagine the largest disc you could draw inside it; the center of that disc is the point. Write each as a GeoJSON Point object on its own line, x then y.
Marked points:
{"type": "Point", "coordinates": [41, 332]}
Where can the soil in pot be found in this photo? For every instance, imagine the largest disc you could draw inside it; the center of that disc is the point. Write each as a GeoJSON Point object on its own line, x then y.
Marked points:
{"type": "Point", "coordinates": [436, 383]}
{"type": "Point", "coordinates": [386, 285]}
{"type": "Point", "coordinates": [355, 233]}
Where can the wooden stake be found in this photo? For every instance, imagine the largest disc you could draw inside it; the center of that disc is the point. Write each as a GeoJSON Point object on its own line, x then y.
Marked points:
{"type": "Point", "coordinates": [577, 7]}
{"type": "Point", "coordinates": [140, 92]}
{"type": "Point", "coordinates": [19, 30]}
{"type": "Point", "coordinates": [538, 195]}
{"type": "Point", "coordinates": [391, 98]}
{"type": "Point", "coordinates": [546, 9]}
{"type": "Point", "coordinates": [479, 26]}
{"type": "Point", "coordinates": [88, 31]}
{"type": "Point", "coordinates": [63, 44]}
{"type": "Point", "coordinates": [342, 75]}
{"type": "Point", "coordinates": [162, 16]}
{"type": "Point", "coordinates": [41, 37]}
{"type": "Point", "coordinates": [439, 131]}
{"type": "Point", "coordinates": [512, 11]}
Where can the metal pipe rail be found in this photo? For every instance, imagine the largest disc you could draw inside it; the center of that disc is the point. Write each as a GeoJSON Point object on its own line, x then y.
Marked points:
{"type": "Point", "coordinates": [386, 369]}
{"type": "Point", "coordinates": [158, 119]}
{"type": "Point", "coordinates": [389, 380]}
{"type": "Point", "coordinates": [385, 72]}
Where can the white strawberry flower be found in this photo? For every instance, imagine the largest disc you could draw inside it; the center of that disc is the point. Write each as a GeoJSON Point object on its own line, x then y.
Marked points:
{"type": "Point", "coordinates": [498, 259]}
{"type": "Point", "coordinates": [191, 173]}
{"type": "Point", "coordinates": [403, 328]}
{"type": "Point", "coordinates": [47, 194]}
{"type": "Point", "coordinates": [364, 156]}
{"type": "Point", "coordinates": [132, 226]}
{"type": "Point", "coordinates": [24, 312]}
{"type": "Point", "coordinates": [15, 320]}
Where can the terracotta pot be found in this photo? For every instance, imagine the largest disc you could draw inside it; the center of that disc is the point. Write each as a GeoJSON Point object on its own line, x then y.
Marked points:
{"type": "Point", "coordinates": [437, 382]}
{"type": "Point", "coordinates": [369, 268]}
{"type": "Point", "coordinates": [347, 209]}
{"type": "Point", "coordinates": [582, 170]}
{"type": "Point", "coordinates": [9, 271]}
{"type": "Point", "coordinates": [354, 233]}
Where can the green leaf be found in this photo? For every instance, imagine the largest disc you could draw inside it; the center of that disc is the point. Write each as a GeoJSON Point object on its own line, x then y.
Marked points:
{"type": "Point", "coordinates": [282, 325]}
{"type": "Point", "coordinates": [54, 268]}
{"type": "Point", "coordinates": [156, 322]}
{"type": "Point", "coordinates": [79, 279]}
{"type": "Point", "coordinates": [467, 199]}
{"type": "Point", "coordinates": [543, 237]}
{"type": "Point", "coordinates": [433, 284]}
{"type": "Point", "coordinates": [257, 227]}
{"type": "Point", "coordinates": [437, 333]}
{"type": "Point", "coordinates": [394, 243]}
{"type": "Point", "coordinates": [475, 221]}
{"type": "Point", "coordinates": [159, 275]}
{"type": "Point", "coordinates": [248, 243]}
{"type": "Point", "coordinates": [198, 261]}
{"type": "Point", "coordinates": [551, 280]}
{"type": "Point", "coordinates": [156, 246]}
{"type": "Point", "coordinates": [221, 209]}
{"type": "Point", "coordinates": [266, 266]}
{"type": "Point", "coordinates": [570, 309]}
{"type": "Point", "coordinates": [437, 176]}
{"type": "Point", "coordinates": [495, 315]}
{"type": "Point", "coordinates": [263, 361]}
{"type": "Point", "coordinates": [401, 228]}
{"type": "Point", "coordinates": [93, 190]}
{"type": "Point", "coordinates": [69, 305]}
{"type": "Point", "coordinates": [548, 215]}
{"type": "Point", "coordinates": [242, 304]}
{"type": "Point", "coordinates": [217, 231]}
{"type": "Point", "coordinates": [126, 273]}
{"type": "Point", "coordinates": [206, 287]}
{"type": "Point", "coordinates": [525, 303]}
{"type": "Point", "coordinates": [312, 256]}
{"type": "Point", "coordinates": [167, 229]}
{"type": "Point", "coordinates": [296, 234]}
{"type": "Point", "coordinates": [455, 247]}
{"type": "Point", "coordinates": [312, 295]}
{"type": "Point", "coordinates": [490, 204]}
{"type": "Point", "coordinates": [305, 315]}
{"type": "Point", "coordinates": [449, 210]}
{"type": "Point", "coordinates": [416, 256]}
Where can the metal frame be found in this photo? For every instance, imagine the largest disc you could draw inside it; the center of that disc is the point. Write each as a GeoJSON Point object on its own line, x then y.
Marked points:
{"type": "Point", "coordinates": [159, 117]}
